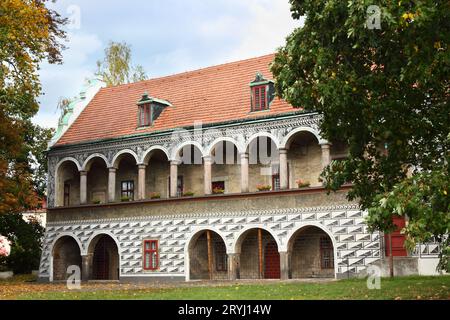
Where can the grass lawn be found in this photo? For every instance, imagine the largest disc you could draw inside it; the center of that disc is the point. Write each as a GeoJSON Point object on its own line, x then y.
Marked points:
{"type": "Point", "coordinates": [415, 287]}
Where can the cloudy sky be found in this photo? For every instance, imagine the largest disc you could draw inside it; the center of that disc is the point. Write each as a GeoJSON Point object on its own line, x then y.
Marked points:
{"type": "Point", "coordinates": [166, 37]}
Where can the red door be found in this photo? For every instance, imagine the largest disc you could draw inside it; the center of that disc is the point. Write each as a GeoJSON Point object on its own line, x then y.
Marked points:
{"type": "Point", "coordinates": [398, 240]}
{"type": "Point", "coordinates": [272, 261]}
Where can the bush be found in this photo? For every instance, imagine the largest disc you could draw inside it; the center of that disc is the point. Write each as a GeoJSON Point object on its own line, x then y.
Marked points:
{"type": "Point", "coordinates": [26, 242]}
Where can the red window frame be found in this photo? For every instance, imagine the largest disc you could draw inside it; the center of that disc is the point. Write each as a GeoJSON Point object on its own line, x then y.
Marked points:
{"type": "Point", "coordinates": [145, 115]}
{"type": "Point", "coordinates": [259, 98]}
{"type": "Point", "coordinates": [152, 252]}
{"type": "Point", "coordinates": [66, 194]}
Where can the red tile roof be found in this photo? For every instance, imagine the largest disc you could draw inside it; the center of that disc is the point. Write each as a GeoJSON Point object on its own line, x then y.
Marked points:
{"type": "Point", "coordinates": [214, 94]}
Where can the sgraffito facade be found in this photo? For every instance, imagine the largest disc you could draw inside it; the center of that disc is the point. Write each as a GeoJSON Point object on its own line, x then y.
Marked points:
{"type": "Point", "coordinates": [226, 197]}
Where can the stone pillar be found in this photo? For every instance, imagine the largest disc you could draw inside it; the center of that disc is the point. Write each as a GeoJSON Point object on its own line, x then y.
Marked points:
{"type": "Point", "coordinates": [233, 266]}
{"type": "Point", "coordinates": [86, 267]}
{"type": "Point", "coordinates": [244, 172]}
{"type": "Point", "coordinates": [283, 169]}
{"type": "Point", "coordinates": [326, 158]}
{"type": "Point", "coordinates": [112, 184]}
{"type": "Point", "coordinates": [83, 187]}
{"type": "Point", "coordinates": [141, 181]}
{"type": "Point", "coordinates": [207, 163]}
{"type": "Point", "coordinates": [173, 178]}
{"type": "Point", "coordinates": [284, 265]}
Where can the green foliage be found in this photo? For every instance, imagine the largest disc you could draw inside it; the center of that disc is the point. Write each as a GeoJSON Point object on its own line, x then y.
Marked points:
{"type": "Point", "coordinates": [117, 68]}
{"type": "Point", "coordinates": [26, 238]}
{"type": "Point", "coordinates": [383, 92]}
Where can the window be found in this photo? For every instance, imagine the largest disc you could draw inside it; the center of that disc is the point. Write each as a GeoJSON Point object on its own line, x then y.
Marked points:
{"type": "Point", "coordinates": [151, 256]}
{"type": "Point", "coordinates": [145, 115]}
{"type": "Point", "coordinates": [218, 185]}
{"type": "Point", "coordinates": [326, 253]}
{"type": "Point", "coordinates": [259, 98]}
{"type": "Point", "coordinates": [66, 194]}
{"type": "Point", "coordinates": [127, 189]}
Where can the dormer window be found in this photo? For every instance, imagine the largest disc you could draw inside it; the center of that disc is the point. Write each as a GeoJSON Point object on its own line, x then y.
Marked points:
{"type": "Point", "coordinates": [262, 93]}
{"type": "Point", "coordinates": [149, 109]}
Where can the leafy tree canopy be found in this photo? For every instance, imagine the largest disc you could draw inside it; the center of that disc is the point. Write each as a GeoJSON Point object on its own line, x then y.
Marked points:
{"type": "Point", "coordinates": [116, 68]}
{"type": "Point", "coordinates": [385, 93]}
{"type": "Point", "coordinates": [29, 34]}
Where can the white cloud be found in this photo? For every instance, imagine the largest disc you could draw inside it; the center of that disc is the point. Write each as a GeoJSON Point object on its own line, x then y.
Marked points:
{"type": "Point", "coordinates": [66, 80]}
{"type": "Point", "coordinates": [269, 24]}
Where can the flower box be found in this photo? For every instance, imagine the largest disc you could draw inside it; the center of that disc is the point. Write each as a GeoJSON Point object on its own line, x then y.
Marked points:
{"type": "Point", "coordinates": [303, 184]}
{"type": "Point", "coordinates": [263, 187]}
{"type": "Point", "coordinates": [188, 194]}
{"type": "Point", "coordinates": [218, 191]}
{"type": "Point", "coordinates": [155, 195]}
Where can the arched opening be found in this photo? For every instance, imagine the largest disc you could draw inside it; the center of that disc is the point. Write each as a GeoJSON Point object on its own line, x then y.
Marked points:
{"type": "Point", "coordinates": [97, 180]}
{"type": "Point", "coordinates": [67, 184]}
{"type": "Point", "coordinates": [225, 169]}
{"type": "Point", "coordinates": [311, 254]}
{"type": "Point", "coordinates": [190, 171]}
{"type": "Point", "coordinates": [263, 164]}
{"type": "Point", "coordinates": [304, 160]}
{"type": "Point", "coordinates": [105, 258]}
{"type": "Point", "coordinates": [259, 256]}
{"type": "Point", "coordinates": [66, 253]}
{"type": "Point", "coordinates": [157, 174]}
{"type": "Point", "coordinates": [126, 178]}
{"type": "Point", "coordinates": [208, 258]}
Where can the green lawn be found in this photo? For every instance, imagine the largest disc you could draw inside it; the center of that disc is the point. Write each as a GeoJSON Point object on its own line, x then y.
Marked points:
{"type": "Point", "coordinates": [398, 288]}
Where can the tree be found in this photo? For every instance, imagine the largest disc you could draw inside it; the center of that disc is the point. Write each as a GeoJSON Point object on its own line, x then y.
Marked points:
{"type": "Point", "coordinates": [29, 34]}
{"type": "Point", "coordinates": [116, 68]}
{"type": "Point", "coordinates": [26, 238]}
{"type": "Point", "coordinates": [385, 93]}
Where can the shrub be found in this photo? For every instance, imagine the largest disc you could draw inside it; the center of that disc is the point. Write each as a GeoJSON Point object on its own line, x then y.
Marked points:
{"type": "Point", "coordinates": [26, 242]}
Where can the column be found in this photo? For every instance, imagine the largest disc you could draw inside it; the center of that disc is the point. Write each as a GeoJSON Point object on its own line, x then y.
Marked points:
{"type": "Point", "coordinates": [86, 267]}
{"type": "Point", "coordinates": [233, 266]}
{"type": "Point", "coordinates": [112, 184]}
{"type": "Point", "coordinates": [141, 181]}
{"type": "Point", "coordinates": [173, 178]}
{"type": "Point", "coordinates": [284, 265]}
{"type": "Point", "coordinates": [326, 158]}
{"type": "Point", "coordinates": [244, 172]}
{"type": "Point", "coordinates": [283, 169]}
{"type": "Point", "coordinates": [83, 187]}
{"type": "Point", "coordinates": [207, 163]}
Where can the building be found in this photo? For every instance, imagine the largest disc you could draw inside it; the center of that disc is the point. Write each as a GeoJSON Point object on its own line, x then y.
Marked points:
{"type": "Point", "coordinates": [200, 175]}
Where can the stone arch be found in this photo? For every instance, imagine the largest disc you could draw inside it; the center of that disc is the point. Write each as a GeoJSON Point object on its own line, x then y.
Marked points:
{"type": "Point", "coordinates": [87, 163]}
{"type": "Point", "coordinates": [196, 255]}
{"type": "Point", "coordinates": [65, 251]}
{"type": "Point", "coordinates": [284, 144]}
{"type": "Point", "coordinates": [60, 179]}
{"type": "Point", "coordinates": [261, 134]}
{"type": "Point", "coordinates": [103, 251]}
{"type": "Point", "coordinates": [147, 154]}
{"type": "Point", "coordinates": [176, 151]}
{"type": "Point", "coordinates": [117, 156]}
{"type": "Point", "coordinates": [249, 249]}
{"type": "Point", "coordinates": [211, 146]}
{"type": "Point", "coordinates": [239, 235]}
{"type": "Point", "coordinates": [302, 252]}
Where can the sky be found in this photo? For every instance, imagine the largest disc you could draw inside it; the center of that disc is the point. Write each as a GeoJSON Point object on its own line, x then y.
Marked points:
{"type": "Point", "coordinates": [166, 37]}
